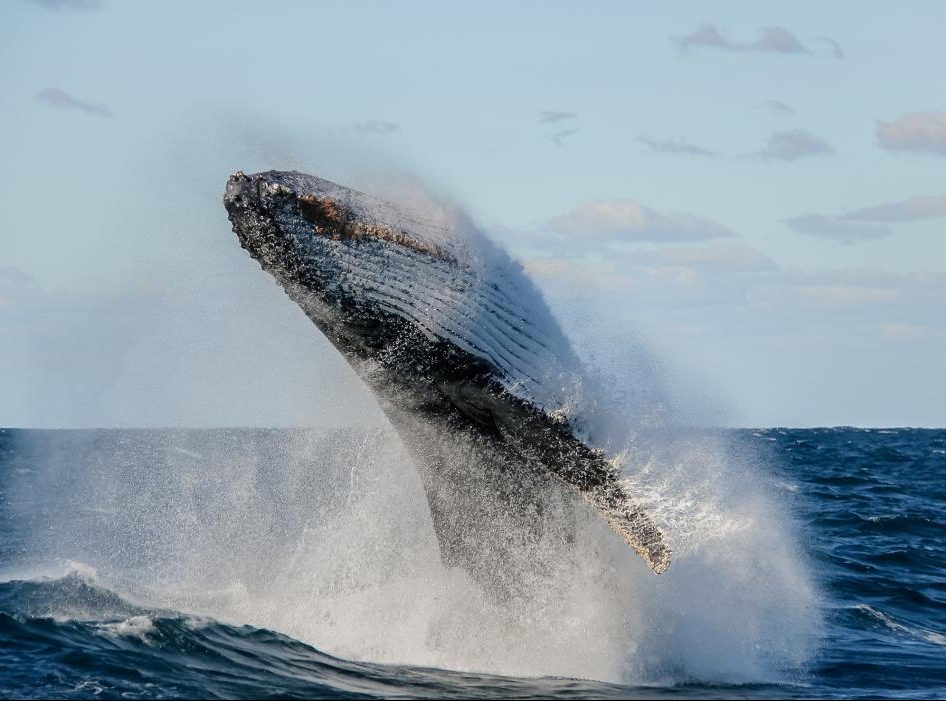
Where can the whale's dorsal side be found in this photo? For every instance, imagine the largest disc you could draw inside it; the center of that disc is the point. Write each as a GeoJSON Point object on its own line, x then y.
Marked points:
{"type": "Point", "coordinates": [460, 351]}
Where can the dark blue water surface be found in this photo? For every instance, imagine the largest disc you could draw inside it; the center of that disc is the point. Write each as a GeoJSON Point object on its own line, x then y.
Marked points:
{"type": "Point", "coordinates": [871, 503]}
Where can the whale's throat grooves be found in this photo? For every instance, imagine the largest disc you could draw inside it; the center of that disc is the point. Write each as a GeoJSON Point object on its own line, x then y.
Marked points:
{"type": "Point", "coordinates": [463, 356]}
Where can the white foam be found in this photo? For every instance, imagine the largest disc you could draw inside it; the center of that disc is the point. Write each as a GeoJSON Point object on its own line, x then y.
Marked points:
{"type": "Point", "coordinates": [917, 632]}
{"type": "Point", "coordinates": [134, 627]}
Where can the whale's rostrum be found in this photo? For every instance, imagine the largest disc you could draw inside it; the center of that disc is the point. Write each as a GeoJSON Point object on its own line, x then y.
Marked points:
{"type": "Point", "coordinates": [463, 357]}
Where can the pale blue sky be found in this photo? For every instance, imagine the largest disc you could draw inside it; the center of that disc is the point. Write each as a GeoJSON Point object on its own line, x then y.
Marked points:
{"type": "Point", "coordinates": [651, 181]}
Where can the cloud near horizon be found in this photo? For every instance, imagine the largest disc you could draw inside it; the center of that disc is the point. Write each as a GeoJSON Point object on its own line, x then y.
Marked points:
{"type": "Point", "coordinates": [377, 127]}
{"type": "Point", "coordinates": [869, 223]}
{"type": "Point", "coordinates": [559, 136]}
{"type": "Point", "coordinates": [61, 100]}
{"type": "Point", "coordinates": [15, 286]}
{"type": "Point", "coordinates": [838, 229]}
{"type": "Point", "coordinates": [833, 46]}
{"type": "Point", "coordinates": [626, 220]}
{"type": "Point", "coordinates": [681, 282]}
{"type": "Point", "coordinates": [676, 147]}
{"type": "Point", "coordinates": [771, 40]}
{"type": "Point", "coordinates": [903, 210]}
{"type": "Point", "coordinates": [553, 116]}
{"type": "Point", "coordinates": [70, 4]}
{"type": "Point", "coordinates": [917, 131]}
{"type": "Point", "coordinates": [779, 107]}
{"type": "Point", "coordinates": [792, 145]}
{"type": "Point", "coordinates": [718, 257]}
{"type": "Point", "coordinates": [567, 122]}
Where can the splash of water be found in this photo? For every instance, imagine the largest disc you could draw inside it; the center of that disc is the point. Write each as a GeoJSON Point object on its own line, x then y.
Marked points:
{"type": "Point", "coordinates": [326, 536]}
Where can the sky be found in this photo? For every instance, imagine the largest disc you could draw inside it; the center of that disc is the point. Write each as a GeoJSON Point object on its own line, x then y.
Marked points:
{"type": "Point", "coordinates": [753, 194]}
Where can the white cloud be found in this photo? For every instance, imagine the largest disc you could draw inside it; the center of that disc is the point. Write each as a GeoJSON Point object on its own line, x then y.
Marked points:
{"type": "Point", "coordinates": [920, 294]}
{"type": "Point", "coordinates": [847, 294]}
{"type": "Point", "coordinates": [837, 228]}
{"type": "Point", "coordinates": [919, 131]}
{"type": "Point", "coordinates": [627, 220]}
{"type": "Point", "coordinates": [716, 258]}
{"type": "Point", "coordinates": [553, 116]}
{"type": "Point", "coordinates": [70, 4]}
{"type": "Point", "coordinates": [682, 276]}
{"type": "Point", "coordinates": [904, 210]}
{"type": "Point", "coordinates": [779, 107]}
{"type": "Point", "coordinates": [705, 35]}
{"type": "Point", "coordinates": [794, 144]}
{"type": "Point", "coordinates": [778, 40]}
{"type": "Point", "coordinates": [377, 126]}
{"type": "Point", "coordinates": [566, 121]}
{"type": "Point", "coordinates": [905, 331]}
{"type": "Point", "coordinates": [833, 46]}
{"type": "Point", "coordinates": [676, 147]}
{"type": "Point", "coordinates": [772, 39]}
{"type": "Point", "coordinates": [15, 287]}
{"type": "Point", "coordinates": [559, 136]}
{"type": "Point", "coordinates": [868, 223]}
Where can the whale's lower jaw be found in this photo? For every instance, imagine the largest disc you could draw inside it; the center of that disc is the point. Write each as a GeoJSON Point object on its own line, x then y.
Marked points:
{"type": "Point", "coordinates": [408, 313]}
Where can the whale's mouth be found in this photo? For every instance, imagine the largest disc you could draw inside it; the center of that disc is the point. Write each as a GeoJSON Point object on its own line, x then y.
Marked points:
{"type": "Point", "coordinates": [454, 342]}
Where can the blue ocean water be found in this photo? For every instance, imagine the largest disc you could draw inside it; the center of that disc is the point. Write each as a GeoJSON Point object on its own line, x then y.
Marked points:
{"type": "Point", "coordinates": [87, 521]}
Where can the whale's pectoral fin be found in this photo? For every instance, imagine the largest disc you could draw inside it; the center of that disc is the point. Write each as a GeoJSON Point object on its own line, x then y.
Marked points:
{"type": "Point", "coordinates": [631, 523]}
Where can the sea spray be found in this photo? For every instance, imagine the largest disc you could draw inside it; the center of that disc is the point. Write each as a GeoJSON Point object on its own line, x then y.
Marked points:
{"type": "Point", "coordinates": [326, 536]}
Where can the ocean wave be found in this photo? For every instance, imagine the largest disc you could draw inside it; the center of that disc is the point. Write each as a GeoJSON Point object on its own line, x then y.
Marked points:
{"type": "Point", "coordinates": [128, 651]}
{"type": "Point", "coordinates": [149, 614]}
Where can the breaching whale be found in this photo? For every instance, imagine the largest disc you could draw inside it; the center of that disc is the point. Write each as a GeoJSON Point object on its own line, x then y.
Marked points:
{"type": "Point", "coordinates": [463, 356]}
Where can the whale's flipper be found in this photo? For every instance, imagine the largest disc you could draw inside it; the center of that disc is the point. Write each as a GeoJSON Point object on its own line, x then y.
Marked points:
{"type": "Point", "coordinates": [461, 352]}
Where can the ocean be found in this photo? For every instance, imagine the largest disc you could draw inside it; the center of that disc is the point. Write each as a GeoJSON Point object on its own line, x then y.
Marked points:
{"type": "Point", "coordinates": [248, 563]}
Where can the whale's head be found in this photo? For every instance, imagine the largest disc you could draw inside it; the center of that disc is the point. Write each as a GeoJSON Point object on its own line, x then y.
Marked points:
{"type": "Point", "coordinates": [282, 214]}
{"type": "Point", "coordinates": [334, 241]}
{"type": "Point", "coordinates": [365, 271]}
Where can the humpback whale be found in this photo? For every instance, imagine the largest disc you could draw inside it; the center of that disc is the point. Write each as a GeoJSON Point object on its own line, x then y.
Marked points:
{"type": "Point", "coordinates": [464, 358]}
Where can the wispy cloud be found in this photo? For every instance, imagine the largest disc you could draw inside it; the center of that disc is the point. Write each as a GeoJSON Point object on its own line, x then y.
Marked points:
{"type": "Point", "coordinates": [904, 210]}
{"type": "Point", "coordinates": [721, 257]}
{"type": "Point", "coordinates": [833, 47]}
{"type": "Point", "coordinates": [682, 276]}
{"type": "Point", "coordinates": [869, 223]}
{"type": "Point", "coordinates": [70, 4]}
{"type": "Point", "coordinates": [566, 122]}
{"type": "Point", "coordinates": [15, 286]}
{"type": "Point", "coordinates": [918, 131]}
{"type": "Point", "coordinates": [837, 229]}
{"type": "Point", "coordinates": [706, 35]}
{"type": "Point", "coordinates": [377, 127]}
{"type": "Point", "coordinates": [872, 290]}
{"type": "Point", "coordinates": [60, 99]}
{"type": "Point", "coordinates": [792, 145]}
{"type": "Point", "coordinates": [627, 220]}
{"type": "Point", "coordinates": [676, 147]}
{"type": "Point", "coordinates": [559, 136]}
{"type": "Point", "coordinates": [771, 40]}
{"type": "Point", "coordinates": [778, 40]}
{"type": "Point", "coordinates": [778, 107]}
{"type": "Point", "coordinates": [552, 116]}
